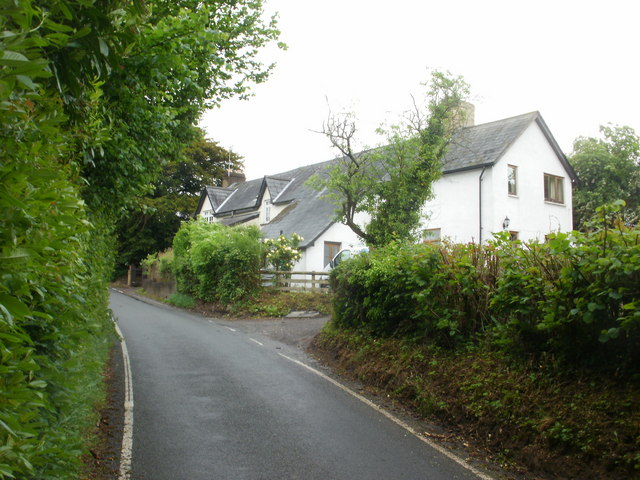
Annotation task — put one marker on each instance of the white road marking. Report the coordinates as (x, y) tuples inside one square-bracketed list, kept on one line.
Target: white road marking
[(127, 430), (394, 419), (256, 341), (232, 329)]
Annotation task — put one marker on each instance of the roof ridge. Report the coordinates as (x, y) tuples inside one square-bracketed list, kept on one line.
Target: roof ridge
[(533, 114)]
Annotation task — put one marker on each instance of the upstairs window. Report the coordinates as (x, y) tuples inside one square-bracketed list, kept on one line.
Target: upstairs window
[(512, 179), (208, 215), (267, 211), (553, 188)]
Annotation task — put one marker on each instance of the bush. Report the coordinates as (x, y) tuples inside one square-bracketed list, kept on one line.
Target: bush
[(217, 263), (181, 300), (575, 298), (159, 266), (431, 292), (371, 291), (282, 252)]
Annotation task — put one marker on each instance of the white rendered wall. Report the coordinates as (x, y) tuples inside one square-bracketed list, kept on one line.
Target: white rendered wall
[(206, 205), (529, 214), (262, 219), (313, 256), (455, 207)]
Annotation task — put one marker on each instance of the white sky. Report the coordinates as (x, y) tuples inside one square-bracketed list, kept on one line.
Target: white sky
[(577, 62)]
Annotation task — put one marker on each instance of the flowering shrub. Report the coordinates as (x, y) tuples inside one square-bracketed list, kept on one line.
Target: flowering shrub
[(282, 252)]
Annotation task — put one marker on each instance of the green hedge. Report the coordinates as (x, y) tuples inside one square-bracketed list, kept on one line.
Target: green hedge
[(575, 298), (54, 323), (213, 262)]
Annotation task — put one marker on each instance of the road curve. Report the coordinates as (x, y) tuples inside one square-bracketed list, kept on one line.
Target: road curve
[(212, 402)]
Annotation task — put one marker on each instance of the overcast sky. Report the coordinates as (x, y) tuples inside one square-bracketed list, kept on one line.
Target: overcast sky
[(577, 62)]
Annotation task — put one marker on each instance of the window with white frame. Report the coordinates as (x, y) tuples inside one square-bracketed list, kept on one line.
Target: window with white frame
[(208, 215), (553, 188), (267, 210), (512, 179)]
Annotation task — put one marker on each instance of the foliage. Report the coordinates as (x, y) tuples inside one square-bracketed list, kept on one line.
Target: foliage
[(93, 96), (557, 425), (150, 225), (181, 300), (574, 298), (188, 56), (276, 303), (608, 169), (217, 263), (282, 252), (439, 293), (159, 266), (392, 183)]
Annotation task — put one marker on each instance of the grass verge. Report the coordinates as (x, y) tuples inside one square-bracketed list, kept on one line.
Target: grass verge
[(556, 425)]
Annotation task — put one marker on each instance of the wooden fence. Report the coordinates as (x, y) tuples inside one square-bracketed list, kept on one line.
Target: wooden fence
[(295, 281)]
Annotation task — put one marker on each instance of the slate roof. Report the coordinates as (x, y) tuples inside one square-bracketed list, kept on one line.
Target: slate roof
[(483, 145), (309, 214), (276, 185), (217, 195)]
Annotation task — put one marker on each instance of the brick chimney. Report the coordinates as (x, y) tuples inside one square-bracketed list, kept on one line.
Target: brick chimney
[(233, 177), (467, 114)]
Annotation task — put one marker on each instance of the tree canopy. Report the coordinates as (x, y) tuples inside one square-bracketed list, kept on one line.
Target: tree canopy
[(95, 97), (150, 225), (608, 169), (391, 183)]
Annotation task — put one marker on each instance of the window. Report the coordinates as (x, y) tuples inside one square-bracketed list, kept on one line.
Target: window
[(208, 215), (431, 235), (553, 188), (513, 236), (267, 211), (512, 179), (331, 249)]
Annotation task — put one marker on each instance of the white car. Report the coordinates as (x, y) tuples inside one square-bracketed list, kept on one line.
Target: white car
[(345, 254)]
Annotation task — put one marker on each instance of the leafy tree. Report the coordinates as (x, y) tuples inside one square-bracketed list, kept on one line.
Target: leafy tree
[(93, 97), (189, 55), (151, 224), (392, 183), (608, 169)]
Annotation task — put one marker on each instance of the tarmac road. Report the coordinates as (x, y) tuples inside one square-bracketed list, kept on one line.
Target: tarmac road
[(214, 402)]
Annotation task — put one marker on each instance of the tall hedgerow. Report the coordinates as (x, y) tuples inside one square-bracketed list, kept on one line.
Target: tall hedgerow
[(93, 97), (575, 298), (216, 263)]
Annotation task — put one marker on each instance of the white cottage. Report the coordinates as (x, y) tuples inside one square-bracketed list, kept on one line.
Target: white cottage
[(505, 175)]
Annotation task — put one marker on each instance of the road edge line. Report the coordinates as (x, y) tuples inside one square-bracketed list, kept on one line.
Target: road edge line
[(127, 429), (394, 419)]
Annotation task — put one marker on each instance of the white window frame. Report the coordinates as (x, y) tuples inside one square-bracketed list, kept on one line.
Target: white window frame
[(514, 183)]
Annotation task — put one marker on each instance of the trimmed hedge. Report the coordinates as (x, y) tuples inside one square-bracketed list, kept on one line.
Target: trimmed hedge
[(216, 263), (575, 298)]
